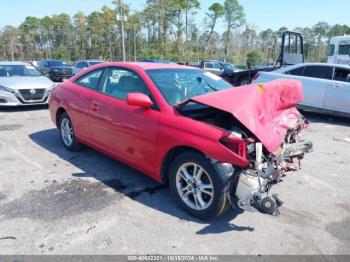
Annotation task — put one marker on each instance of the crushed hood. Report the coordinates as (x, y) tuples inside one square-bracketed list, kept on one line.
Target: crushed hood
[(268, 110)]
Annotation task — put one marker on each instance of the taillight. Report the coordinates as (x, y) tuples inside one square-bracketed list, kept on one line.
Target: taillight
[(256, 76), (235, 144)]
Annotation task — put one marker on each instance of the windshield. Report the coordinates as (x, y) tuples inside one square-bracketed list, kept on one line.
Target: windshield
[(178, 85), (228, 67), (18, 70), (56, 63)]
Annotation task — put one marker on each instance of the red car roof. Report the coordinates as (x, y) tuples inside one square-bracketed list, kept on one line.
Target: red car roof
[(150, 65)]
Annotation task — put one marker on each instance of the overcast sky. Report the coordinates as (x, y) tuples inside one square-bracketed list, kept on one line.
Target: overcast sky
[(261, 13)]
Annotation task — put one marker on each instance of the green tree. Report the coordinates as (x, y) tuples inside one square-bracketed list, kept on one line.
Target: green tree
[(216, 11), (266, 38), (338, 30), (11, 42), (254, 57), (188, 6), (80, 28), (320, 29), (234, 17)]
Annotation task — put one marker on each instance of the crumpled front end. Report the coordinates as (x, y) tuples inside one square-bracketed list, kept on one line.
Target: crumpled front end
[(250, 188), (267, 110), (264, 127)]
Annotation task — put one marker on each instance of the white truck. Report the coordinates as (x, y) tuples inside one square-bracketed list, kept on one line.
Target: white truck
[(339, 50)]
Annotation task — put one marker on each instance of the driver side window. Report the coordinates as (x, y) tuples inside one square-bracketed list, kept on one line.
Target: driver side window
[(119, 83)]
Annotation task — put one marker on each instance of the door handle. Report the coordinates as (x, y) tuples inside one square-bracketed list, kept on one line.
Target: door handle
[(335, 85)]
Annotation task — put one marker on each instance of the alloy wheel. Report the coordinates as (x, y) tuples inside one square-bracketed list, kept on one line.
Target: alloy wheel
[(194, 186), (67, 132)]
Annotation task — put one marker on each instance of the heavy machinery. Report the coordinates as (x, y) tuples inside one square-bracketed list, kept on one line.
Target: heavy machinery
[(291, 53)]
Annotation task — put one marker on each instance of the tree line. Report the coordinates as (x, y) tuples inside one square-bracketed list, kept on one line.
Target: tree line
[(164, 29)]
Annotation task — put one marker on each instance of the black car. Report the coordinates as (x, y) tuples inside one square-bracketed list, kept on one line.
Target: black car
[(222, 69), (56, 70)]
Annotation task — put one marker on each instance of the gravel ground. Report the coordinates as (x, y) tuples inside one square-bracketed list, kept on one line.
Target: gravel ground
[(58, 202)]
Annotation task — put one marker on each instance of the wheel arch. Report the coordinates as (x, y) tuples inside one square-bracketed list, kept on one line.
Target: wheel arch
[(59, 112), (170, 156)]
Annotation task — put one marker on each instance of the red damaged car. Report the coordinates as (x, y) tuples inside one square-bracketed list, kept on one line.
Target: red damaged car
[(214, 145)]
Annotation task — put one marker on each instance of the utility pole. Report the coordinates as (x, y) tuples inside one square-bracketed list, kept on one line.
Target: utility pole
[(121, 18)]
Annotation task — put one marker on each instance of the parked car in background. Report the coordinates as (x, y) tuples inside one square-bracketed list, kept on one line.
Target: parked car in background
[(83, 64), (326, 86), (339, 50), (56, 70), (291, 53), (157, 61), (228, 67), (33, 63), (220, 68), (217, 67), (22, 84), (187, 128)]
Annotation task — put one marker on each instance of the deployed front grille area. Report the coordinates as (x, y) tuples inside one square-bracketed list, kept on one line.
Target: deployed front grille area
[(32, 94)]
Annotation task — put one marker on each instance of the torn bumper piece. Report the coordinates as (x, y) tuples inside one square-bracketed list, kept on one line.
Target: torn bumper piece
[(249, 189), (298, 149), (291, 155)]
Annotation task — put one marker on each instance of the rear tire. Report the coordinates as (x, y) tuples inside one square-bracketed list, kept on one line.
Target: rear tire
[(67, 134), (197, 187)]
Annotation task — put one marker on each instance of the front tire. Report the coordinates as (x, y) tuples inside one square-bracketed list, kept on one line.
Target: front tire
[(197, 186), (67, 134)]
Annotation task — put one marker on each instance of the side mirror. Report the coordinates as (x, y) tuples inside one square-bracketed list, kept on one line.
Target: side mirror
[(348, 78), (139, 99)]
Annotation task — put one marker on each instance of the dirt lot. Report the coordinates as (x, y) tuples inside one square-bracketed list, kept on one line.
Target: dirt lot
[(56, 202)]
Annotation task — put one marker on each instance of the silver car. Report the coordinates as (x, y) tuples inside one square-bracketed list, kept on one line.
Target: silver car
[(22, 84), (83, 64), (326, 86)]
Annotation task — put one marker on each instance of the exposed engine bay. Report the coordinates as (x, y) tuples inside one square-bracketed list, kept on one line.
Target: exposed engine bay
[(249, 188)]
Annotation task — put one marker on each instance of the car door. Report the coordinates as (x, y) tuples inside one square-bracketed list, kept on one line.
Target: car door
[(125, 131), (79, 96), (338, 92), (315, 80)]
